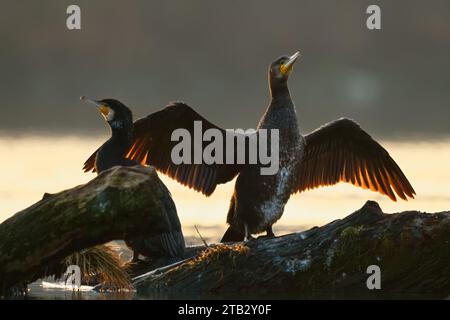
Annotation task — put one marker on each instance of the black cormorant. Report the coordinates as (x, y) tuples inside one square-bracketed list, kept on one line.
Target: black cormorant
[(338, 151), (113, 153)]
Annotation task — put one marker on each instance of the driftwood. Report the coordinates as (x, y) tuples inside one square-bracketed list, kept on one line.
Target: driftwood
[(412, 250), (118, 204)]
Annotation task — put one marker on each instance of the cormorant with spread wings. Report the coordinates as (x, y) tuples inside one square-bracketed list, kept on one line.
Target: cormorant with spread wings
[(338, 151)]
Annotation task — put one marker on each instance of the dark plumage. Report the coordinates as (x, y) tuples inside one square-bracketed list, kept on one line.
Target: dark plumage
[(113, 153), (338, 151)]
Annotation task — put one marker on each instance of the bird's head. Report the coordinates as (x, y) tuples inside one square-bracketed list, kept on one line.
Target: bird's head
[(115, 112), (281, 68)]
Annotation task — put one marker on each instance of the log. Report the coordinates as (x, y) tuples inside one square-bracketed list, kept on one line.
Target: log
[(412, 250), (120, 203)]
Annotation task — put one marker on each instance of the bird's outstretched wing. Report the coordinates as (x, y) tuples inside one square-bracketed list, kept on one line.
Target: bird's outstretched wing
[(342, 151), (89, 165), (152, 145)]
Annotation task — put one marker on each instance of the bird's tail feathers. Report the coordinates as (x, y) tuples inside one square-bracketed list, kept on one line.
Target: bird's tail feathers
[(173, 243), (233, 235)]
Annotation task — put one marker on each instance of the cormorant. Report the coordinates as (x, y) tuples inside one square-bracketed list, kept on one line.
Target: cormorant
[(112, 153), (338, 151)]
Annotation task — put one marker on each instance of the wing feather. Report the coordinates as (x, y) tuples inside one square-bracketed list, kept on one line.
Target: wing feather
[(342, 151), (152, 145), (89, 165)]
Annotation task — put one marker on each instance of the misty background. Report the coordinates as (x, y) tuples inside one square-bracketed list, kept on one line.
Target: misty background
[(214, 56)]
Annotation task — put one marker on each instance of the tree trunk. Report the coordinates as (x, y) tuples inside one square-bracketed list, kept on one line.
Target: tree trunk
[(118, 204), (412, 250)]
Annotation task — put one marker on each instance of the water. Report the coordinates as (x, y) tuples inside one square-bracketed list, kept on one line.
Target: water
[(37, 292)]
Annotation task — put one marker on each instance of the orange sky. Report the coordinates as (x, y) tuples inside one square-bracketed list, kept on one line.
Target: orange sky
[(32, 166)]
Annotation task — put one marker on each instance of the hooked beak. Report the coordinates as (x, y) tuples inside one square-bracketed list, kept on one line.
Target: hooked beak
[(287, 67), (104, 109)]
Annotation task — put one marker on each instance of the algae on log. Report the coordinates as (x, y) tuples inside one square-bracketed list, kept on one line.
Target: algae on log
[(411, 248), (118, 204)]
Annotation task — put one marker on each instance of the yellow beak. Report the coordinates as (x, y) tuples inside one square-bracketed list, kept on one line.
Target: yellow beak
[(104, 109), (287, 67)]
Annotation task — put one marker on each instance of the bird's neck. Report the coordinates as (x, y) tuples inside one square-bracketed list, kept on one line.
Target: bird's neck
[(121, 134), (279, 91)]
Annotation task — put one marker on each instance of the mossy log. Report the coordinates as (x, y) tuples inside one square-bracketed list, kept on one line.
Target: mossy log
[(120, 203), (412, 250)]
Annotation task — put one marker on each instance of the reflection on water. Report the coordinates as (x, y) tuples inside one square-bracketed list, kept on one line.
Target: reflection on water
[(36, 292)]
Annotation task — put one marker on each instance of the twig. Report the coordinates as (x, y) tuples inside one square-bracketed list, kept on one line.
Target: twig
[(199, 234)]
